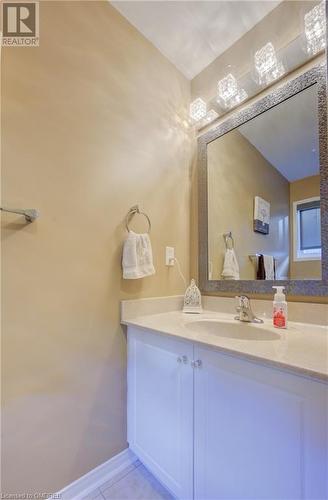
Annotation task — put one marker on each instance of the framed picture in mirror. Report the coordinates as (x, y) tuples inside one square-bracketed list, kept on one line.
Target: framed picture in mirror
[(261, 215)]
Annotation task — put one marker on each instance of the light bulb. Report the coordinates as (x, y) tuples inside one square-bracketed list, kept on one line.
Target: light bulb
[(210, 117), (229, 92), (315, 29), (197, 109), (267, 66)]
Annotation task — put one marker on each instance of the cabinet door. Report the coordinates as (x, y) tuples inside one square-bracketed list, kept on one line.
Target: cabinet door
[(160, 407), (260, 433)]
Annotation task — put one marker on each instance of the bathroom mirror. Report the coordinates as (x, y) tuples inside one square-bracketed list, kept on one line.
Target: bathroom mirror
[(263, 193)]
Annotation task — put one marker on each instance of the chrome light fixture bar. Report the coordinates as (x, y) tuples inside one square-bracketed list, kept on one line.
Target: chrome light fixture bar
[(267, 66), (197, 109), (315, 29), (229, 93)]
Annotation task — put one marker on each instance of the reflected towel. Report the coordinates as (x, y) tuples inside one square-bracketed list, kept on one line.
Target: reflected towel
[(260, 275), (269, 267), (230, 267), (137, 260), (265, 267)]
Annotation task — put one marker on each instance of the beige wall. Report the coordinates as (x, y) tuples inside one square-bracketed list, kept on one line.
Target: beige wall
[(91, 126), (301, 190), (237, 172)]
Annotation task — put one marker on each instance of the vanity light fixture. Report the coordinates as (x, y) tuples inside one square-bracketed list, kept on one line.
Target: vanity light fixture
[(315, 29), (229, 92), (210, 117), (267, 66), (197, 109)]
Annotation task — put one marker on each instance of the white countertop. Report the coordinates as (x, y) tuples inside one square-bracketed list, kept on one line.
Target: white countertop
[(301, 348)]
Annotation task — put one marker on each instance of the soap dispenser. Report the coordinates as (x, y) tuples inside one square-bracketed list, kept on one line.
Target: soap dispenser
[(279, 308), (192, 300)]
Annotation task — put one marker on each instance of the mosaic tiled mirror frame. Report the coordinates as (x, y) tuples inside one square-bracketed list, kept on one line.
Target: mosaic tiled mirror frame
[(316, 75)]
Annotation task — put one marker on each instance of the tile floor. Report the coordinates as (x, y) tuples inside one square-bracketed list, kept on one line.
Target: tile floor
[(134, 483)]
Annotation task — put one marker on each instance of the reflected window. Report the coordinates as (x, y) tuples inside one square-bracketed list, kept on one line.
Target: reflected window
[(307, 234)]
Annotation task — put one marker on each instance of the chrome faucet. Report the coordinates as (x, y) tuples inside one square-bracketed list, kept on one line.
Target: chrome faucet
[(244, 310)]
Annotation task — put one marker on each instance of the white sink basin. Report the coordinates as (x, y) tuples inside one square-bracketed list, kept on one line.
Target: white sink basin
[(237, 330)]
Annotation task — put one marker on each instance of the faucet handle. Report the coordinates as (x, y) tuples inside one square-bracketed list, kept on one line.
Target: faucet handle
[(243, 301), (244, 310)]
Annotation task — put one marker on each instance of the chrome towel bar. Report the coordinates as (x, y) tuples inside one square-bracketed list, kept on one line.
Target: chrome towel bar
[(30, 214)]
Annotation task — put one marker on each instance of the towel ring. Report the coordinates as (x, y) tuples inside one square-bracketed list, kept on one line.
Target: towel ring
[(131, 213)]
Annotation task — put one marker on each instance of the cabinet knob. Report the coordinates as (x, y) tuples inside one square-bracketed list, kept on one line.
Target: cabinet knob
[(182, 359), (196, 364)]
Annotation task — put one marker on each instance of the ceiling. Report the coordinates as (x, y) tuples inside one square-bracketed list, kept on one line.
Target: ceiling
[(287, 135), (191, 34)]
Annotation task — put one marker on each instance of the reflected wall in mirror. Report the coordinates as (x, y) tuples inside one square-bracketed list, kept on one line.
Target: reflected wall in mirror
[(273, 156)]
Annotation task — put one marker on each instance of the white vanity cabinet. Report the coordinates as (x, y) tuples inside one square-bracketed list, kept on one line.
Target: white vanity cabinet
[(260, 433), (213, 426), (160, 408)]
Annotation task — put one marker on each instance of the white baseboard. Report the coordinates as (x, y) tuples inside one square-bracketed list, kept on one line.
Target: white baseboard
[(96, 477)]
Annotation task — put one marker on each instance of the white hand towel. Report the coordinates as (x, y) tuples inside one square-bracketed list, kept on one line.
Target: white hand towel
[(269, 267), (230, 266), (137, 260)]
